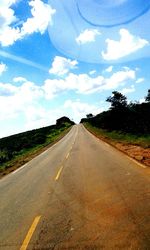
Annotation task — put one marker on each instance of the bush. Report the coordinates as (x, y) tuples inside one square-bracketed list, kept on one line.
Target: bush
[(5, 156)]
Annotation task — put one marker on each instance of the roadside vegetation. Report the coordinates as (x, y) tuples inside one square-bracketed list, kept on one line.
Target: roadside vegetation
[(120, 137), (124, 122), (17, 149)]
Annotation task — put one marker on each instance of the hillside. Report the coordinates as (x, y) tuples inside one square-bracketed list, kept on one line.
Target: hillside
[(16, 149)]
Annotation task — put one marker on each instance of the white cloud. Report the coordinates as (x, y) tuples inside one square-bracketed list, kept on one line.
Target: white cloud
[(119, 78), (8, 2), (109, 69), (54, 87), (87, 36), (92, 72), (7, 89), (128, 44), (82, 83), (19, 79), (23, 101), (62, 65), (85, 84), (81, 109), (41, 17), (139, 80), (15, 99), (9, 32), (3, 68), (9, 35), (37, 116), (21, 105), (128, 90), (141, 100), (7, 17)]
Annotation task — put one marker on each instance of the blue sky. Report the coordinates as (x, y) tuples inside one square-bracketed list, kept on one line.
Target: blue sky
[(66, 57)]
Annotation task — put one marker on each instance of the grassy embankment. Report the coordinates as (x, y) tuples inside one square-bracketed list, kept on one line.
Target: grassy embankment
[(18, 149), (117, 136)]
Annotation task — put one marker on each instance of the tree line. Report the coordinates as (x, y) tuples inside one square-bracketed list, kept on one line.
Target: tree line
[(127, 118)]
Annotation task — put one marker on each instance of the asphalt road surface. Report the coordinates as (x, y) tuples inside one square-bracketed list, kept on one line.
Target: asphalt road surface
[(79, 194)]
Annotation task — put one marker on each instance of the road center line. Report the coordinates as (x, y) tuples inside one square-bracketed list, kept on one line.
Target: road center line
[(61, 168), (67, 155), (30, 233), (58, 174)]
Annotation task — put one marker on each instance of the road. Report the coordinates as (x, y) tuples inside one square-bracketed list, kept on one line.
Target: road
[(79, 194)]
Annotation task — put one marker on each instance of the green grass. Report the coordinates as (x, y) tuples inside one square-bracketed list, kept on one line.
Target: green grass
[(115, 136), (26, 154)]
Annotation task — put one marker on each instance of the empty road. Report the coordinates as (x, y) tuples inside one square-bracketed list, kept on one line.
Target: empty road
[(79, 194)]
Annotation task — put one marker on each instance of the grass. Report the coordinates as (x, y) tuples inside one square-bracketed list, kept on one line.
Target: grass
[(26, 155), (115, 136)]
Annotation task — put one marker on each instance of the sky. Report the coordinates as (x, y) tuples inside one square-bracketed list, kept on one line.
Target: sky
[(64, 58)]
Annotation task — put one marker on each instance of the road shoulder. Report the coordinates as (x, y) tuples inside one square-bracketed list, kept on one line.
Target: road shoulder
[(137, 153)]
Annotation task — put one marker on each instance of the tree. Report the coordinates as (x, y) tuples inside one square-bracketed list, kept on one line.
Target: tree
[(147, 98), (118, 100), (61, 121), (89, 115)]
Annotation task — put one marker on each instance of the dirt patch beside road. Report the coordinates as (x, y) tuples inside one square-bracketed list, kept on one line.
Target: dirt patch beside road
[(138, 153)]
